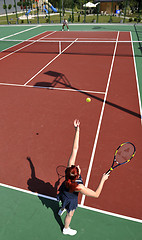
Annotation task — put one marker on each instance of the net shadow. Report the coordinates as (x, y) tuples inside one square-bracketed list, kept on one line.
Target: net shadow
[(77, 48)]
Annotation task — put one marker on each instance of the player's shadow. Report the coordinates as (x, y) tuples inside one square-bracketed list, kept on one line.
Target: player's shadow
[(60, 80), (44, 188)]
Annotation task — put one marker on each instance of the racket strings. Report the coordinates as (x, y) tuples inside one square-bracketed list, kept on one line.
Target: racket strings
[(124, 153)]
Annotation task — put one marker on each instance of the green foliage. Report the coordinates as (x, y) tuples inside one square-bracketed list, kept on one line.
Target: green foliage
[(130, 19), (9, 6), (4, 6), (19, 4)]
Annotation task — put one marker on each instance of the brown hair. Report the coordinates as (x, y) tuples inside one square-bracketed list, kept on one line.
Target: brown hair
[(72, 174)]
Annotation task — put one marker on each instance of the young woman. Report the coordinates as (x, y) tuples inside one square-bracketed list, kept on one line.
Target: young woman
[(73, 184)]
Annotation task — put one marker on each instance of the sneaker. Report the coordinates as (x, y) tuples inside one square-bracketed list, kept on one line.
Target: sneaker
[(60, 213), (68, 29), (69, 231)]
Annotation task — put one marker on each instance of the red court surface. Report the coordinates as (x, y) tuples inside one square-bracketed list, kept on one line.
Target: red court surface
[(38, 123)]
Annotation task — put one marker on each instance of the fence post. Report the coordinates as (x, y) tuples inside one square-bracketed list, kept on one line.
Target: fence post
[(111, 11), (125, 10), (85, 13), (72, 11), (98, 8), (139, 10), (48, 14), (60, 9), (6, 11), (16, 10), (37, 12), (26, 11)]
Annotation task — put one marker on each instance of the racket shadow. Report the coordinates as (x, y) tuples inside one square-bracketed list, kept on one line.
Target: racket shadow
[(45, 188)]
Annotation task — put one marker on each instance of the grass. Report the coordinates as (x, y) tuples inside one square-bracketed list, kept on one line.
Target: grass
[(93, 18)]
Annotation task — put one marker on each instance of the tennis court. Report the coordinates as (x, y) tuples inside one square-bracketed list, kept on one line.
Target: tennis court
[(46, 76)]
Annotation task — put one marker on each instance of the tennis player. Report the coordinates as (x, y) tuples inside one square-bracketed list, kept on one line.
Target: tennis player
[(65, 23), (73, 184)]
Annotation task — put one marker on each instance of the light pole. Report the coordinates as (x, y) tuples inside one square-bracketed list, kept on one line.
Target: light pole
[(62, 7)]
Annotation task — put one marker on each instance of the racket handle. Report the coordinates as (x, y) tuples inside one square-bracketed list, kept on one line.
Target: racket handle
[(108, 172)]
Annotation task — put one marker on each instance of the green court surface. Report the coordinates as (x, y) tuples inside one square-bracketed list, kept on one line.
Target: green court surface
[(24, 216)]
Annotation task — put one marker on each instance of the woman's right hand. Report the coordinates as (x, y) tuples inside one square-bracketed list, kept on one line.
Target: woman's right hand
[(105, 177)]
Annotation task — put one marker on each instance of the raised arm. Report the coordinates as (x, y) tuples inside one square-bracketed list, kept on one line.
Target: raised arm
[(75, 144), (88, 192)]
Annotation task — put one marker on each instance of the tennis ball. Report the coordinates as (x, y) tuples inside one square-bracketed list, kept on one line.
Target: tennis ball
[(88, 99)]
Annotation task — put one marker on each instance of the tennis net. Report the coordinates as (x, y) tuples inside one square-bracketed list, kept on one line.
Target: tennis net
[(104, 48)]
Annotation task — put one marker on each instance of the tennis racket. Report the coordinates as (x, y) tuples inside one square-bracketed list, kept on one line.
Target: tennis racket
[(60, 171), (123, 154)]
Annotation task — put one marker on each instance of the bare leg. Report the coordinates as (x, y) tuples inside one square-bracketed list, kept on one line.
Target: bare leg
[(68, 218), (63, 27), (67, 230)]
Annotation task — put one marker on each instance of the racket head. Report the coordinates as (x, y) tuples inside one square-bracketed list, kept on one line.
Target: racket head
[(124, 153), (61, 171)]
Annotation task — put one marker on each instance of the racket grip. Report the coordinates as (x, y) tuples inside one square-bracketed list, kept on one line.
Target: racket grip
[(108, 172)]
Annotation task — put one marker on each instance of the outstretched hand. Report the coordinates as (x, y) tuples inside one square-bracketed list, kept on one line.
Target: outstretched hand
[(76, 123), (105, 177)]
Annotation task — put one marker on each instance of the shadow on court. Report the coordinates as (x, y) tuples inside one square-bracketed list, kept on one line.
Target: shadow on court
[(61, 79), (39, 186)]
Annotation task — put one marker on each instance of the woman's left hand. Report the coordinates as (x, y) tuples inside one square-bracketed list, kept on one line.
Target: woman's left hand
[(76, 123)]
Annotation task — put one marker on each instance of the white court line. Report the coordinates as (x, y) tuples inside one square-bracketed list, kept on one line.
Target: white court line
[(113, 39), (33, 41), (137, 82), (50, 62), (99, 124), (19, 32), (51, 88), (28, 40), (84, 207)]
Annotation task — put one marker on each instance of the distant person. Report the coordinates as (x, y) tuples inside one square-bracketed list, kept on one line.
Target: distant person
[(73, 184), (65, 23)]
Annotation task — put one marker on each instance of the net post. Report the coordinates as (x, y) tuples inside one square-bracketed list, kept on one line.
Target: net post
[(60, 50)]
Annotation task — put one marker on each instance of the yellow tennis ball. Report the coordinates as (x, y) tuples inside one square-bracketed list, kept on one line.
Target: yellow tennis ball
[(88, 99)]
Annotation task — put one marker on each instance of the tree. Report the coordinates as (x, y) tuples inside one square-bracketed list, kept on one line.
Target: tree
[(9, 6)]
